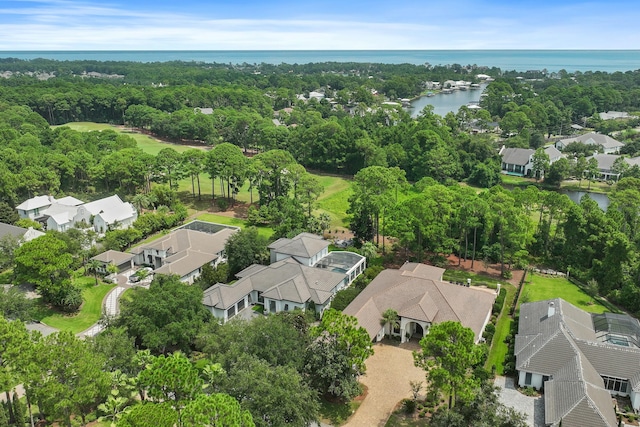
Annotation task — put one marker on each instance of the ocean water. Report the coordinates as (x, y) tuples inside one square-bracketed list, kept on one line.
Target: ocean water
[(518, 60)]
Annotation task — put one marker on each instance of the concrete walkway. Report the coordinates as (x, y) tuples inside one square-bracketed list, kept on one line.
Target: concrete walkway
[(389, 372)]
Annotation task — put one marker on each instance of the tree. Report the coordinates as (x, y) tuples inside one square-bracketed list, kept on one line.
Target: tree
[(14, 304), (244, 248), (592, 170), (390, 317), (46, 263), (92, 266), (8, 245), (215, 410), (275, 396), (148, 414), (171, 379), (448, 353), (558, 172), (540, 163), (337, 354), (165, 317), (580, 168), (72, 379)]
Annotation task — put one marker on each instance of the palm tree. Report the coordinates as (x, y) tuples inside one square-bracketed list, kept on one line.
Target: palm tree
[(92, 266), (112, 268), (390, 317)]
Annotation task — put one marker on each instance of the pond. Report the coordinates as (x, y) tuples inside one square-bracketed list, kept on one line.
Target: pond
[(601, 199)]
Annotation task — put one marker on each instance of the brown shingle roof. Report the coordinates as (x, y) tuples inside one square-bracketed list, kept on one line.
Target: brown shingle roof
[(113, 256)]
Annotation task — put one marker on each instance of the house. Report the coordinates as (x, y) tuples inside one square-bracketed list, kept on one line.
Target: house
[(302, 274), (22, 234), (580, 359), (519, 161), (186, 250), (31, 208), (605, 166), (516, 161), (421, 298), (122, 260), (614, 115), (104, 214), (608, 144), (63, 214)]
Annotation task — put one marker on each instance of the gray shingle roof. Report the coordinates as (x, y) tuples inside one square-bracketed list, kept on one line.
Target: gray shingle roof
[(284, 280), (115, 257), (593, 138), (189, 249), (303, 245), (414, 293), (8, 229), (517, 156)]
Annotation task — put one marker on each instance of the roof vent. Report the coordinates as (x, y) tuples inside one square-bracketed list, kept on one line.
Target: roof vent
[(552, 309)]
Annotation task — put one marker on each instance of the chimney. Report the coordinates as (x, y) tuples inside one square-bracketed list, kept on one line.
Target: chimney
[(552, 309)]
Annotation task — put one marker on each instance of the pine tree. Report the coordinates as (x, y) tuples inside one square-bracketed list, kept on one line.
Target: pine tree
[(18, 411), (4, 419)]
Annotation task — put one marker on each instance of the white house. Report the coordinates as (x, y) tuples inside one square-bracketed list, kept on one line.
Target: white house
[(608, 144), (185, 251), (63, 214), (22, 234), (302, 274)]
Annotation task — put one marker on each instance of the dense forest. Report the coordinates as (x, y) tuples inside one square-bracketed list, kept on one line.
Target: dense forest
[(425, 188)]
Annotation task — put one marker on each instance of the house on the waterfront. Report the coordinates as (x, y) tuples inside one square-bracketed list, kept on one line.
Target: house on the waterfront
[(580, 359), (614, 115), (516, 161), (421, 298), (186, 250), (608, 144), (65, 213), (303, 274), (519, 161)]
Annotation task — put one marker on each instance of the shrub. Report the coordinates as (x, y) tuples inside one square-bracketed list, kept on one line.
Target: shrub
[(222, 204), (409, 406)]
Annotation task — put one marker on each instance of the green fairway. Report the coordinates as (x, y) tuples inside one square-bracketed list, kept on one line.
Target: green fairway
[(542, 288), (145, 142), (334, 201), (89, 313)]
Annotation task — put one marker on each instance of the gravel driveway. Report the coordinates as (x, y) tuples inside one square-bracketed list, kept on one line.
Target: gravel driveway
[(533, 407), (389, 371)]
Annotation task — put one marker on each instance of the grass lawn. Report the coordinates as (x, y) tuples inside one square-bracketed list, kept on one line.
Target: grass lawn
[(498, 351), (337, 413), (476, 279), (220, 219), (89, 313), (540, 288), (145, 142)]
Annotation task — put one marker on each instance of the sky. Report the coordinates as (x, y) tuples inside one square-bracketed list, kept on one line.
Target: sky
[(318, 25)]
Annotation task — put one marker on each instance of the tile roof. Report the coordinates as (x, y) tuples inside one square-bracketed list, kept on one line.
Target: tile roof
[(283, 280), (303, 245), (416, 292), (189, 250), (564, 345)]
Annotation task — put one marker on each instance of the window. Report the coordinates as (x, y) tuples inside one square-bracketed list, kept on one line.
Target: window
[(231, 312), (527, 378), (616, 384), (286, 307)]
